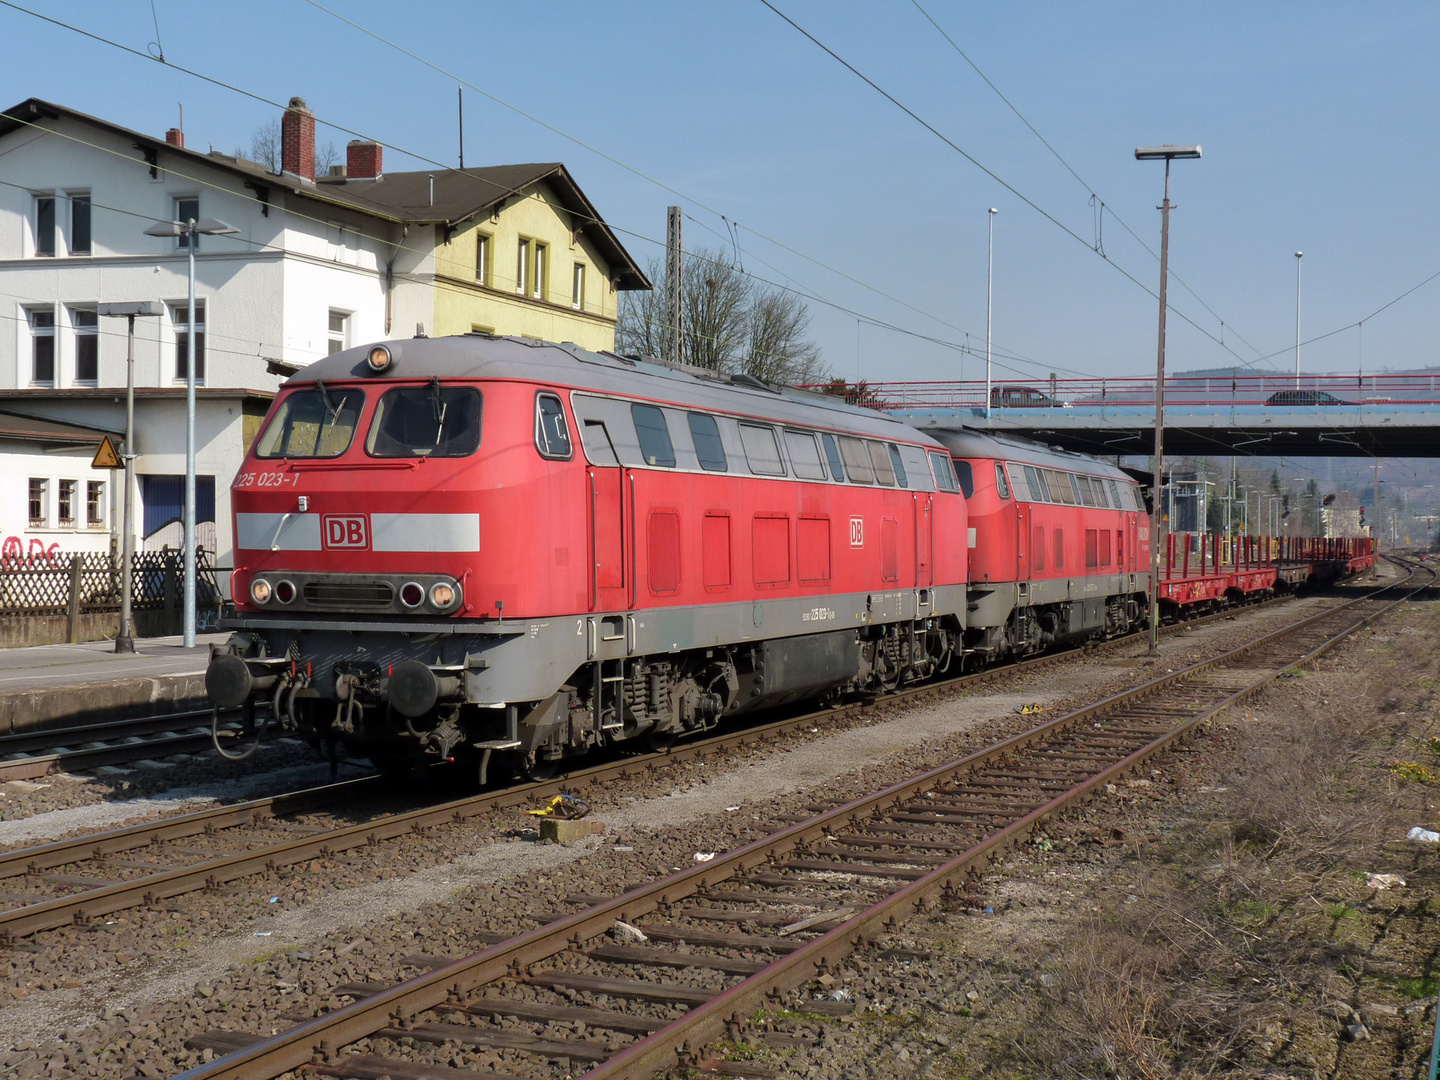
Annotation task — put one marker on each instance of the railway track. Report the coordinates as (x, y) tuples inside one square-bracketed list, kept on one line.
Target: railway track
[(30, 755), (89, 877), (760, 921), (34, 754)]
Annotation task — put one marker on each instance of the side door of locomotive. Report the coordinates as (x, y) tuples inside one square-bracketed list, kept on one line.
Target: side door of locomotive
[(609, 581), (1020, 489), (924, 538)]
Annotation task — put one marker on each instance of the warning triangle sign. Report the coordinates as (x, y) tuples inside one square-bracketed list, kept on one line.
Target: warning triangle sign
[(105, 456)]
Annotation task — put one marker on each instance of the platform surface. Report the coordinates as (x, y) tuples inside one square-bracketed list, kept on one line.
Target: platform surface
[(43, 685)]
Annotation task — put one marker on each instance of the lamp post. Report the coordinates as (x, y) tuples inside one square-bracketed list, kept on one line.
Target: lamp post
[(1298, 255), (125, 640), (1166, 153), (989, 305), (190, 231)]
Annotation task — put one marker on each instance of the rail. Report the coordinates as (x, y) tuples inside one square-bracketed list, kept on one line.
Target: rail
[(1005, 790)]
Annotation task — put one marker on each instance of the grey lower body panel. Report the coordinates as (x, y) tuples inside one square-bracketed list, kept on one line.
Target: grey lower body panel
[(528, 659)]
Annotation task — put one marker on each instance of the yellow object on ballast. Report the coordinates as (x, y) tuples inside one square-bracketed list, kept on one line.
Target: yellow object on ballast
[(563, 806), (1029, 710)]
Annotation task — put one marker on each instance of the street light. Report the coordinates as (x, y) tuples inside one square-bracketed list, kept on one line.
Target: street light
[(190, 231), (125, 640), (989, 306), (1298, 254), (1166, 153)]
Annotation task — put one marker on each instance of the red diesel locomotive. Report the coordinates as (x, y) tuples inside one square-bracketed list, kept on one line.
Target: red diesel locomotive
[(460, 546), (1060, 545)]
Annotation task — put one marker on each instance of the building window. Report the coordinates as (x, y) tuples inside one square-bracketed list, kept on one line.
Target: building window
[(67, 503), (182, 341), (44, 225), (577, 287), (79, 224), (522, 268), (95, 504), (482, 259), (39, 512), (542, 252), (187, 210), (87, 345), (339, 325), (42, 336)]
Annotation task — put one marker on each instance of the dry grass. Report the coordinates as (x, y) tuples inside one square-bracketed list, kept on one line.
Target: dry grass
[(1237, 946)]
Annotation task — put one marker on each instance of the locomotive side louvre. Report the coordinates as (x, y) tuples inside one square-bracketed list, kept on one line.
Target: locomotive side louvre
[(1060, 546), (627, 548)]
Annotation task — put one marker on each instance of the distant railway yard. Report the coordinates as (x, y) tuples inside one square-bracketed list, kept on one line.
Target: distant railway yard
[(1098, 863)]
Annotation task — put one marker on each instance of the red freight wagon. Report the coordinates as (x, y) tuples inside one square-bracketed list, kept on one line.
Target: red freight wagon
[(476, 544)]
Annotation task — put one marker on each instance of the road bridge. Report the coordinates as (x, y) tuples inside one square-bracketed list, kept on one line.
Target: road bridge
[(1270, 416)]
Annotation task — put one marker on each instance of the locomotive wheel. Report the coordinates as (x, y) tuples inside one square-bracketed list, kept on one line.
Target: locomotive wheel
[(657, 742), (536, 768)]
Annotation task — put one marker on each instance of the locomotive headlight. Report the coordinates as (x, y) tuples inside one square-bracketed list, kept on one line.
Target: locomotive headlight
[(442, 595), (260, 591), (379, 359), (412, 594), (285, 591)]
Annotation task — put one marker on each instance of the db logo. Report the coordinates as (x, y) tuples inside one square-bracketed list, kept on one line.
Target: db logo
[(344, 532), (857, 532)]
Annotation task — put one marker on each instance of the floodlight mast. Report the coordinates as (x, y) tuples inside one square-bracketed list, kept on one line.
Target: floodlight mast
[(1166, 153)]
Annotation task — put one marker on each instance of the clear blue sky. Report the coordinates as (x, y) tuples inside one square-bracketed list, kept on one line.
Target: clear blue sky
[(1318, 122)]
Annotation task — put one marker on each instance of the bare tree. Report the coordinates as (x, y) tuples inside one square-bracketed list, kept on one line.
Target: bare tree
[(326, 156), (640, 327), (265, 146), (729, 323), (715, 314), (777, 350)]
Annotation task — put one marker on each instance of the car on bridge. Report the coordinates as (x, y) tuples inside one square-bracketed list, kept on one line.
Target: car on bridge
[(1305, 397), (1023, 397)]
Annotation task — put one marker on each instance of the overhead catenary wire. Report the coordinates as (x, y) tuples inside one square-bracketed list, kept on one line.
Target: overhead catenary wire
[(1100, 203), (844, 309), (995, 176)]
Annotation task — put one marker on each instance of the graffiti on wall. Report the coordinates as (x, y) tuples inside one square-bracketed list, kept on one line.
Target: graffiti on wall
[(15, 554)]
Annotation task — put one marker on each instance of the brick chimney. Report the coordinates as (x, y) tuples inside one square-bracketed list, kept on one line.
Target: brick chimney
[(175, 137), (362, 160), (297, 140)]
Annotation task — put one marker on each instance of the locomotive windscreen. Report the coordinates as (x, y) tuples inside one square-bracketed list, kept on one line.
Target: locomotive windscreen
[(312, 424), (420, 421)]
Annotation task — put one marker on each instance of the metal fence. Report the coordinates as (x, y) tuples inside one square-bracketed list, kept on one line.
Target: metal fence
[(60, 582)]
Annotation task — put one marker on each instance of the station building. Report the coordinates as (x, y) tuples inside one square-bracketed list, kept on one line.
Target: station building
[(317, 264)]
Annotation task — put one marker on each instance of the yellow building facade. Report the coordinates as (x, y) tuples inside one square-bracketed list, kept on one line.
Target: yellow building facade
[(527, 270)]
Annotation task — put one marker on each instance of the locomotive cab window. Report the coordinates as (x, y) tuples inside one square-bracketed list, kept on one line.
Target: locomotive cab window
[(1001, 487), (804, 454), (426, 421), (705, 433), (552, 435), (966, 477), (944, 472), (897, 465), (655, 445), (317, 423), (832, 456)]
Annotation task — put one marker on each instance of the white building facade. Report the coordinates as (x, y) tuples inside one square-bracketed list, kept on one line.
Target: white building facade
[(301, 278)]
